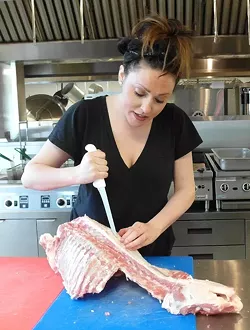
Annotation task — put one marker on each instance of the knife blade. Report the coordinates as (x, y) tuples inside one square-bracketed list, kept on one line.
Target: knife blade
[(105, 201), (100, 184)]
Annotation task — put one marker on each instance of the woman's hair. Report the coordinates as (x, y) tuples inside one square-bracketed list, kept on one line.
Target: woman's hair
[(164, 44)]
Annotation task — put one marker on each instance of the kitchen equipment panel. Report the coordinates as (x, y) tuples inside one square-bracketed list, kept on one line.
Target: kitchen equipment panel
[(213, 232), (27, 214), (212, 252), (14, 197), (233, 185)]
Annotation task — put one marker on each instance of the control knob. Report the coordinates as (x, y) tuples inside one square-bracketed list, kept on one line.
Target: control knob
[(8, 203), (246, 186), (61, 202), (224, 187)]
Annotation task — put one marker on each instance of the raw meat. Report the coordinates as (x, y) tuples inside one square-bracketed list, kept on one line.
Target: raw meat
[(87, 254)]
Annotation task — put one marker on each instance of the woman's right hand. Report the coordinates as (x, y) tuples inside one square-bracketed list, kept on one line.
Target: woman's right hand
[(93, 167)]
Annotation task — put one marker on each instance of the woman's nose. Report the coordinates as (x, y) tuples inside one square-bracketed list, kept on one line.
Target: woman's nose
[(146, 107)]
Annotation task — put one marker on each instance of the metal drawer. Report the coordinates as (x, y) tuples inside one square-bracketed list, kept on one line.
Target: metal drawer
[(212, 252), (248, 239), (212, 232), (18, 238)]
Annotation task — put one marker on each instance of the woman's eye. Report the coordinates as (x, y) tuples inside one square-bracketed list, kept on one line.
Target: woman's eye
[(159, 101), (142, 95), (138, 94)]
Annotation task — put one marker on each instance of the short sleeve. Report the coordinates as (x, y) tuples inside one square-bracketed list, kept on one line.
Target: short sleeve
[(65, 134), (186, 136)]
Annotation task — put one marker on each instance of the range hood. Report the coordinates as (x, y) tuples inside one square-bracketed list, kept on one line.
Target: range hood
[(50, 20), (68, 38), (73, 29)]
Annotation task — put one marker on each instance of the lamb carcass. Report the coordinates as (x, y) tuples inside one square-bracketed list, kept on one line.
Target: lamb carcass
[(87, 254)]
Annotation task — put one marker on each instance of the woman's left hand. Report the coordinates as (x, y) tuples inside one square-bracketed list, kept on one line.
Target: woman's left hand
[(139, 235)]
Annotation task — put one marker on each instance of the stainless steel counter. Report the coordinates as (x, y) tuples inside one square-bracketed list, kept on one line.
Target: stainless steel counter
[(235, 273)]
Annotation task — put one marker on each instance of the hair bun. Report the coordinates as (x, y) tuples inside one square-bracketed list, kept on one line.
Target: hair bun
[(135, 45), (164, 43), (177, 29), (123, 45)]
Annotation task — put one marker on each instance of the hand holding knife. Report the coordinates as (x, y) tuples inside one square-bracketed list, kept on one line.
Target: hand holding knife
[(100, 184)]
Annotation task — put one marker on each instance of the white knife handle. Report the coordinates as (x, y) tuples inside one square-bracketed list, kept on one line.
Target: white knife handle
[(100, 183)]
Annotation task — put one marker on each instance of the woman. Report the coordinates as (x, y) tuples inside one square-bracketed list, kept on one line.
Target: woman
[(143, 143)]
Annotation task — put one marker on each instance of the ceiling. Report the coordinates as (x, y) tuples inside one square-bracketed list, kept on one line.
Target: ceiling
[(63, 20)]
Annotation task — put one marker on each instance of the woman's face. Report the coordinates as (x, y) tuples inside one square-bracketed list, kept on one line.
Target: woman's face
[(145, 93)]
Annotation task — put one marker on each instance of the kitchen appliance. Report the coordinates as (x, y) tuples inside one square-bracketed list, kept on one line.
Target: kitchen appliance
[(72, 92), (231, 187), (203, 177), (44, 107), (43, 112), (14, 172), (128, 306), (26, 214), (95, 88), (15, 198), (245, 101), (232, 158)]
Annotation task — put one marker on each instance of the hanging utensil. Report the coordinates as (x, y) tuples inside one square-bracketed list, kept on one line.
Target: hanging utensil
[(22, 152), (6, 158)]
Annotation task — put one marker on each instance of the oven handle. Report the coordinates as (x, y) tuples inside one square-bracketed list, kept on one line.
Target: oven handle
[(202, 256), (197, 231), (46, 220)]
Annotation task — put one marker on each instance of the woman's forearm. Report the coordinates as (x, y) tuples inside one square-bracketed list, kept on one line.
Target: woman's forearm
[(177, 205), (43, 177)]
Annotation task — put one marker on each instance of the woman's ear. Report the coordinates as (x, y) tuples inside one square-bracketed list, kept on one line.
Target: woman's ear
[(121, 74)]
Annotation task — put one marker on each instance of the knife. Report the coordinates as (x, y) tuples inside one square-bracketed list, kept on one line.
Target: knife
[(100, 184)]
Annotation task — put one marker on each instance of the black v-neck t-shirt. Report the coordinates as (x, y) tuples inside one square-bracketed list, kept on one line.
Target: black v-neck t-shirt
[(137, 193)]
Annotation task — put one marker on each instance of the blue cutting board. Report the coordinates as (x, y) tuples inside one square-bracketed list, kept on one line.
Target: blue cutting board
[(130, 306)]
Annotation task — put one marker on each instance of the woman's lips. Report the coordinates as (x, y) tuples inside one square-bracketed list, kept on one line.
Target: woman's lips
[(140, 117)]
